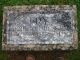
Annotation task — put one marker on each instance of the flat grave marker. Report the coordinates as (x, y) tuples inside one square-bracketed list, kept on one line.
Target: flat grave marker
[(39, 27)]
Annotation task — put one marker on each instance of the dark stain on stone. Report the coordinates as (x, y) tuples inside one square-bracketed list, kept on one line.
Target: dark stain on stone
[(65, 20)]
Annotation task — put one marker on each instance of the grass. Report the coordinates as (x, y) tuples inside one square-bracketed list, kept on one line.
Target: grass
[(74, 55)]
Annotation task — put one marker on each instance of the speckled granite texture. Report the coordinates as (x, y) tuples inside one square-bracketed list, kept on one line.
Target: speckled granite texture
[(39, 27)]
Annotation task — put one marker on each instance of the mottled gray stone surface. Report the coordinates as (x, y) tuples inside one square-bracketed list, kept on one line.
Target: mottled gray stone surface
[(39, 27)]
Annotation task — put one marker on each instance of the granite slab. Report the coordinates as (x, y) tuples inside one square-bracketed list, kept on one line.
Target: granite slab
[(39, 27)]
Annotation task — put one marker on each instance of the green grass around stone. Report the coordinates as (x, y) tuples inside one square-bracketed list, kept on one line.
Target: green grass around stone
[(74, 55)]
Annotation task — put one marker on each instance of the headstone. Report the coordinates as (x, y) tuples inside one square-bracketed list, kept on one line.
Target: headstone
[(39, 27)]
